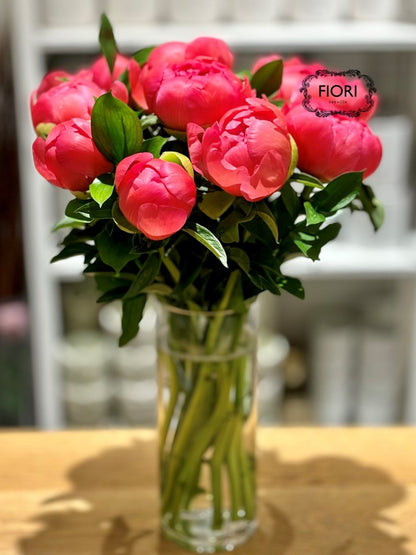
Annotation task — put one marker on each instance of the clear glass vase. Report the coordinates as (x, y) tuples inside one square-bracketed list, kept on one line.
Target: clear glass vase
[(207, 423)]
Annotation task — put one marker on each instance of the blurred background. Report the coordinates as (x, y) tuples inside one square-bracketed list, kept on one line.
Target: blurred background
[(344, 356)]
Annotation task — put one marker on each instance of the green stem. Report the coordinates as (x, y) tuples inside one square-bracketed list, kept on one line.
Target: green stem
[(199, 445), (247, 474), (217, 460), (234, 473), (174, 390), (215, 326), (170, 266), (200, 397)]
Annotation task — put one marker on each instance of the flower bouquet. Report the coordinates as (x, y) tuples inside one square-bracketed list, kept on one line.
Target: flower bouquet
[(195, 184)]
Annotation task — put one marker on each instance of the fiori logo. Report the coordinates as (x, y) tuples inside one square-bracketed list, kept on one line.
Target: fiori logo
[(349, 93), (337, 90)]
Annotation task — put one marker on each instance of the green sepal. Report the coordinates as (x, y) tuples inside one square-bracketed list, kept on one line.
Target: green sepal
[(121, 221)]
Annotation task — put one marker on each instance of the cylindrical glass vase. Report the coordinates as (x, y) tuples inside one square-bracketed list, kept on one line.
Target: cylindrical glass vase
[(207, 421)]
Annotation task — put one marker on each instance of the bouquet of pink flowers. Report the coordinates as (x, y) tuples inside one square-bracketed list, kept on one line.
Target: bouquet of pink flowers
[(195, 183), (184, 171)]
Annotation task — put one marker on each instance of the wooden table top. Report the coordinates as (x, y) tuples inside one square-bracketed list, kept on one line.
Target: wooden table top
[(321, 491)]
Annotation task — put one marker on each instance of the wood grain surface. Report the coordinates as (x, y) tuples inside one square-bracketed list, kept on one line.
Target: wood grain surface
[(321, 491)]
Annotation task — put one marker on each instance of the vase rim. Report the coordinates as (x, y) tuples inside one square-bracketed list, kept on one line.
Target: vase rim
[(195, 312)]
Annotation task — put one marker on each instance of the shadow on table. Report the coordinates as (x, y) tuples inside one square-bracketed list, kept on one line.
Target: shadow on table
[(322, 506)]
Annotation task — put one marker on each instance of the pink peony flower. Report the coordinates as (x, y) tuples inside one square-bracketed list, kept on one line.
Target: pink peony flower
[(70, 99), (175, 52), (155, 196), (50, 80), (247, 153), (210, 47), (136, 84), (68, 158), (100, 72), (197, 91), (333, 145)]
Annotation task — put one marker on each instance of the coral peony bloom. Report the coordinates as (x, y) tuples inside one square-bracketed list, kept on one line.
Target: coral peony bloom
[(100, 72), (70, 99), (333, 145), (247, 153), (175, 52), (68, 158), (136, 84), (210, 47), (50, 80), (197, 90), (155, 196)]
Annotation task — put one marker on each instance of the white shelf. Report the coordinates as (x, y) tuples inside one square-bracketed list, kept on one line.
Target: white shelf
[(280, 36), (345, 260)]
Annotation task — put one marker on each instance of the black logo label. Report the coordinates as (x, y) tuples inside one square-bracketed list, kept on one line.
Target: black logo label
[(327, 93)]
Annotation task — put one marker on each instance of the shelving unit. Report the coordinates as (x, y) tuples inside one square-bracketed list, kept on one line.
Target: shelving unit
[(34, 42)]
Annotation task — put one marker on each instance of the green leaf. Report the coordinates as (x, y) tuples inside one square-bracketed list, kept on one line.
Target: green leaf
[(76, 209), (114, 248), (75, 249), (306, 179), (116, 129), (264, 212), (228, 227), (278, 102), (208, 239), (146, 275), (312, 216), (131, 318), (293, 286), (107, 42), (372, 206), (142, 55), (69, 222), (338, 193), (268, 78), (240, 257), (215, 204), (244, 73), (154, 145), (158, 289), (149, 120), (100, 192), (303, 247), (290, 200)]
